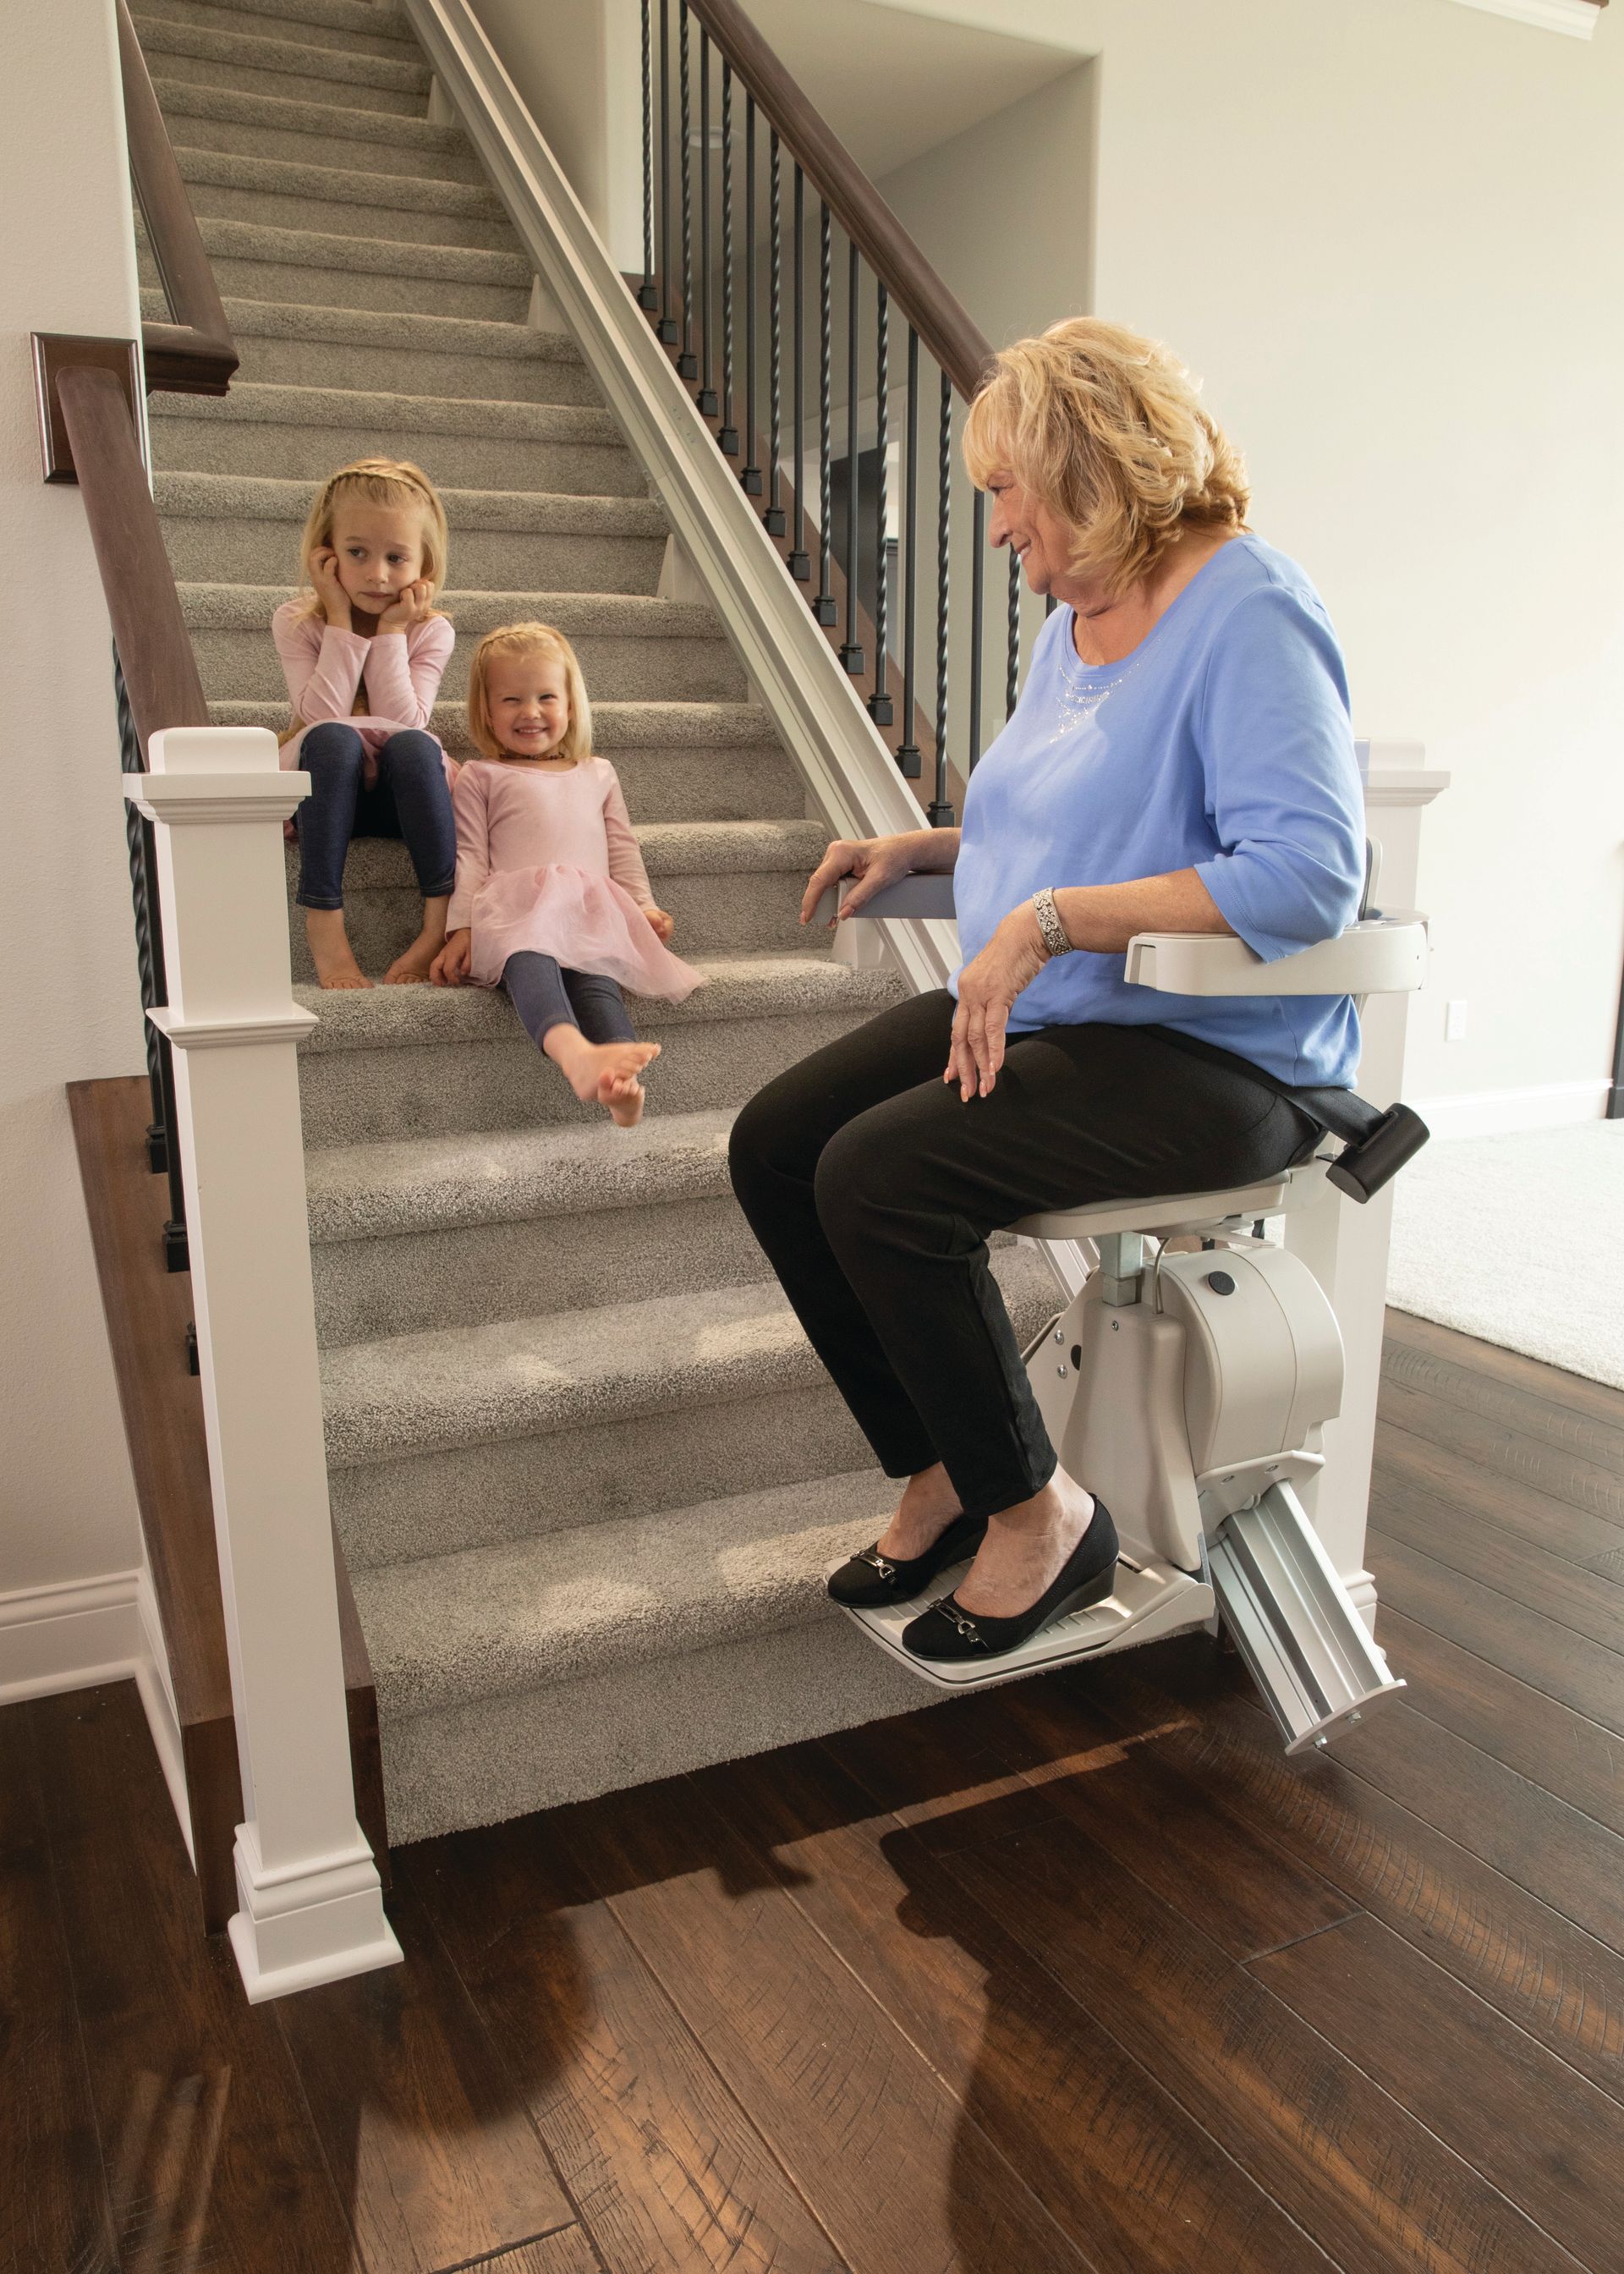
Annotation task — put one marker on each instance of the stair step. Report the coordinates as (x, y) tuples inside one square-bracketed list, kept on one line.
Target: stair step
[(265, 126), (354, 27), (305, 432), (284, 69), (398, 1062), (224, 186), (630, 645), (461, 1231), (245, 528), (259, 262)]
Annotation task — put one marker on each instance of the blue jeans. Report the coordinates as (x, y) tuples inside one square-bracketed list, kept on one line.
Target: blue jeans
[(545, 997), (409, 799)]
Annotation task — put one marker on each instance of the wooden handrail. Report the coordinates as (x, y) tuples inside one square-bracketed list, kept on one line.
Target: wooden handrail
[(960, 349), (196, 354)]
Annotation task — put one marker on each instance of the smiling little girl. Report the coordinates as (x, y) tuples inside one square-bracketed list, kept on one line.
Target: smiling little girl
[(363, 650), (553, 900)]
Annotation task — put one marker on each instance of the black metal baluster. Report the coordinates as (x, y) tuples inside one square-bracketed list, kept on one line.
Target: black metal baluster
[(647, 296), (851, 649), (775, 518), (707, 383), (879, 701), (823, 607), (978, 592), (162, 1135), (667, 322), (907, 748), (941, 812), (799, 564), (1012, 668), (751, 476), (728, 438), (688, 362)]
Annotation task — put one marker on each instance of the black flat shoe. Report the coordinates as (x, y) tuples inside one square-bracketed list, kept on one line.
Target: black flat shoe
[(1088, 1575), (869, 1579)]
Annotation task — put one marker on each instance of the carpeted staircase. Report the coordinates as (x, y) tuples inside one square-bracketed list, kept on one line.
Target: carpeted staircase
[(587, 1472)]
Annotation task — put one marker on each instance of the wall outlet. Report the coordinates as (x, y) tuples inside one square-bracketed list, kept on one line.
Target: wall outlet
[(1454, 1023)]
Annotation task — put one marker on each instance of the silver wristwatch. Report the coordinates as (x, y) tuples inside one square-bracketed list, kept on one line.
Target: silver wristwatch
[(1049, 922)]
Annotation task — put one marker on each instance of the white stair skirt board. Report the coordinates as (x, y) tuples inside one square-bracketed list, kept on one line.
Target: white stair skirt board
[(1576, 17), (1519, 1241)]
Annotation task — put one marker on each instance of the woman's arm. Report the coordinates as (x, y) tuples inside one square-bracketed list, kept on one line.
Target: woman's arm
[(874, 862), (1105, 917)]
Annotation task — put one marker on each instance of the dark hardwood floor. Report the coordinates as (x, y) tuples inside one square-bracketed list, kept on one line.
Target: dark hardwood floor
[(1078, 1975)]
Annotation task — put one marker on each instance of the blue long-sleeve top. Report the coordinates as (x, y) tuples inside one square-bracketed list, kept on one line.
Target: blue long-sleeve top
[(1220, 744)]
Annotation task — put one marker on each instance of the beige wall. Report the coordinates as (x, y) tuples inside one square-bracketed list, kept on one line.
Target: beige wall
[(66, 1502), (1378, 230)]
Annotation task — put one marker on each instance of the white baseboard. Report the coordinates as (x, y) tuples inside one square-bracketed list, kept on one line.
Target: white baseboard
[(1494, 1112), (70, 1635)]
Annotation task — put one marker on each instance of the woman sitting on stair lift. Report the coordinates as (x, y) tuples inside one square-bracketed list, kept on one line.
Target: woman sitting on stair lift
[(1181, 760)]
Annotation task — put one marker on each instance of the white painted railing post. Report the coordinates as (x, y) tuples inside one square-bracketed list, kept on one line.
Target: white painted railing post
[(311, 1906)]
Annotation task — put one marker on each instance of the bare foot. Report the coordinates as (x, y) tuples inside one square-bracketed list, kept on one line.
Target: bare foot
[(928, 1506), (625, 1096), (1024, 1548), (412, 969), (330, 950), (602, 1073)]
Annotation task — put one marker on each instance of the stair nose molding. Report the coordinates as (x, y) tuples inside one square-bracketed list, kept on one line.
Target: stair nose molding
[(1578, 18)]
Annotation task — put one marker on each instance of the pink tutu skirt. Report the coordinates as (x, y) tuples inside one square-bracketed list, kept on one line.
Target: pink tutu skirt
[(582, 918)]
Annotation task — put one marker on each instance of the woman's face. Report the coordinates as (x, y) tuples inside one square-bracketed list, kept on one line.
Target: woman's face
[(1034, 532), (380, 552), (527, 698)]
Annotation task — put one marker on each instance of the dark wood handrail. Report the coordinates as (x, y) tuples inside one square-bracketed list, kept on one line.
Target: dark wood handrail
[(960, 349), (196, 354), (149, 629)]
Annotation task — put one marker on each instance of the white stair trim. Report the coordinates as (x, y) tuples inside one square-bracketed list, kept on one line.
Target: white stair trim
[(1578, 18)]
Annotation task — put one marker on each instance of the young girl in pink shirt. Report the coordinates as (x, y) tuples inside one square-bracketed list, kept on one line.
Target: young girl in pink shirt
[(363, 648), (553, 900)]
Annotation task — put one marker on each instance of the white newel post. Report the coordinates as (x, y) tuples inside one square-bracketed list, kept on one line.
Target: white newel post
[(311, 1904), (1346, 1247)]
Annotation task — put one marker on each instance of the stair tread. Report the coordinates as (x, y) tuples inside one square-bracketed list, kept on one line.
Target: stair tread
[(381, 328), (249, 607), (742, 986), (372, 19), (670, 849), (277, 404), (327, 123), (225, 238), (443, 1390), (440, 1184), (292, 177), (487, 1621), (616, 726), (268, 497), (160, 35)]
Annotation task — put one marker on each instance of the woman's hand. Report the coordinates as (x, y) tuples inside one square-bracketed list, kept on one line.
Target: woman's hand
[(663, 925), (411, 606), (449, 968), (334, 599), (870, 862), (1011, 959)]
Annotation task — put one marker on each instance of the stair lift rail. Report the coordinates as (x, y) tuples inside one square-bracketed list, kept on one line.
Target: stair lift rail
[(860, 526), (1192, 1391)]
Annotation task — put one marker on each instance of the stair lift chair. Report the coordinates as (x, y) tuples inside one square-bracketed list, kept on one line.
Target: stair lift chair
[(1192, 1391)]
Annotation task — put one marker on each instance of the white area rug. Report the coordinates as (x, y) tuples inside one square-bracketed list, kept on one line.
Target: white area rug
[(1520, 1241)]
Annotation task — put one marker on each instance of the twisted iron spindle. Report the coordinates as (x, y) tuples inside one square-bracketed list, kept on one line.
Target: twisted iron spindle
[(707, 383), (162, 1137), (647, 296), (751, 476), (978, 593), (940, 810), (907, 748), (879, 701), (667, 322), (823, 607), (799, 564), (1012, 668), (775, 518), (688, 362), (728, 438), (851, 649)]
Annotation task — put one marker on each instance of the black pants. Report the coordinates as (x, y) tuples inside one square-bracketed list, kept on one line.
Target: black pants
[(545, 997), (872, 1190)]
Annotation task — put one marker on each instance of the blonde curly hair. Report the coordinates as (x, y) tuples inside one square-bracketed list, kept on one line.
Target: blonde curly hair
[(1107, 428), (376, 481), (529, 639)]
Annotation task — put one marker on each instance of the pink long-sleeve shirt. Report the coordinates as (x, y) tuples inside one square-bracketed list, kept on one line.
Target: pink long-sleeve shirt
[(325, 666)]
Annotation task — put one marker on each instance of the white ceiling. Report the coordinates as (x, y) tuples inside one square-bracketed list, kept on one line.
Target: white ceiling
[(892, 83)]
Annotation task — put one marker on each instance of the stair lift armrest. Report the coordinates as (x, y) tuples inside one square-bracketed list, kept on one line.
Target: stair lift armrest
[(1380, 955), (924, 894)]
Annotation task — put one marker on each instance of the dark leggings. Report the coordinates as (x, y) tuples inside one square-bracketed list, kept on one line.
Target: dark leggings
[(872, 1191), (408, 800), (544, 996)]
